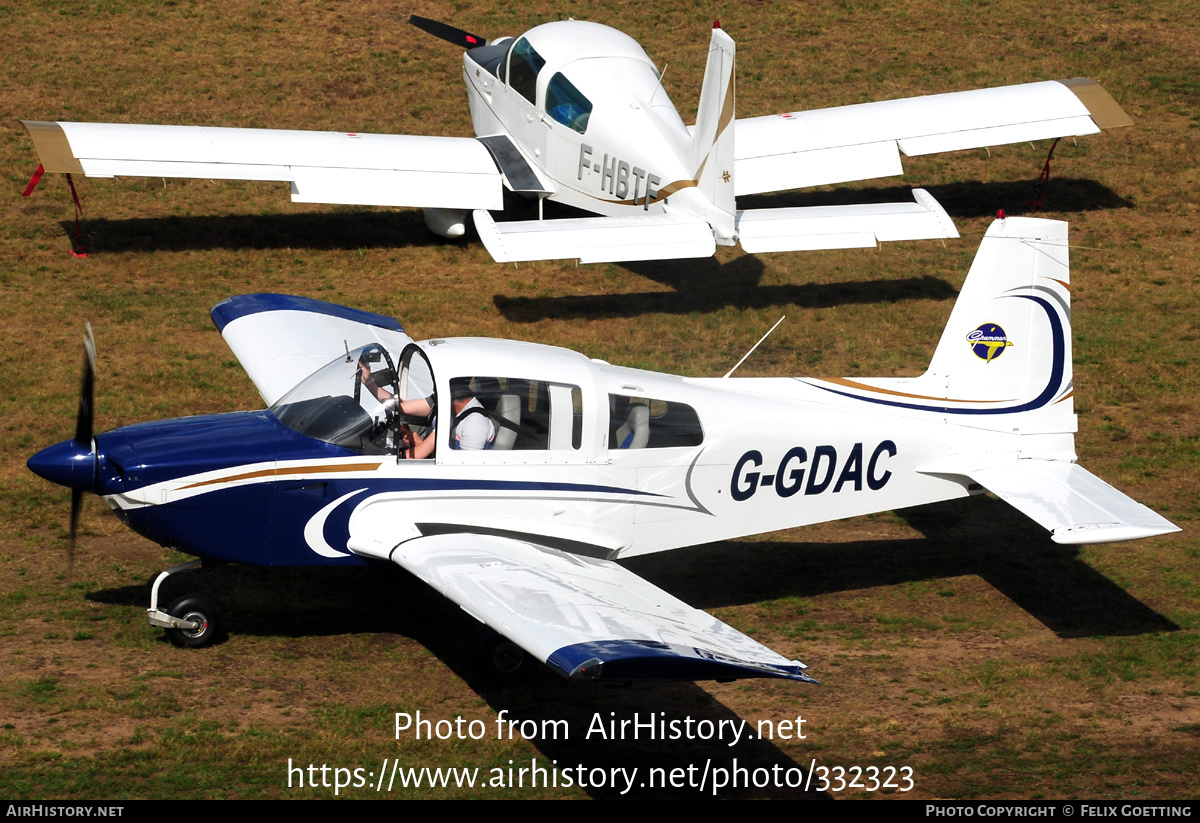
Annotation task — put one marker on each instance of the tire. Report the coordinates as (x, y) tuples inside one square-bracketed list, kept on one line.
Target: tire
[(194, 608), (499, 661)]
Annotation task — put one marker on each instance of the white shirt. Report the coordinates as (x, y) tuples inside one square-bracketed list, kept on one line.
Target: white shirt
[(474, 431)]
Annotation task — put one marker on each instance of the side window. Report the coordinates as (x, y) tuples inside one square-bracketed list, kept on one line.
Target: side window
[(523, 66), (567, 105), (523, 414), (643, 423)]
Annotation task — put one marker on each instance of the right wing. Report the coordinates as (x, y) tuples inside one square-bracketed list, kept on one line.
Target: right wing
[(322, 167), (862, 142), (584, 617)]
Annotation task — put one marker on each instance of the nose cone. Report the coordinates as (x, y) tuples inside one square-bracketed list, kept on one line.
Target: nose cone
[(67, 464)]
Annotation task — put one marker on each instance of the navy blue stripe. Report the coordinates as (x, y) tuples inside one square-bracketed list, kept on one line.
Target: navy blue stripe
[(232, 308), (652, 660), (1059, 356)]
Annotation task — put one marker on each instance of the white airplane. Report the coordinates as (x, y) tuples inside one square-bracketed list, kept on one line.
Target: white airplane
[(575, 112), (589, 463)]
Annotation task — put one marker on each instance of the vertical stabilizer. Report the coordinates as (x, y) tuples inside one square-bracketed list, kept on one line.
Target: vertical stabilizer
[(712, 139), (1004, 360), (1007, 347)]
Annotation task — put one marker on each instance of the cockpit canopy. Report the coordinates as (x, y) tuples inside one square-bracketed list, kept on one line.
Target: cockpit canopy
[(575, 60), (343, 402)]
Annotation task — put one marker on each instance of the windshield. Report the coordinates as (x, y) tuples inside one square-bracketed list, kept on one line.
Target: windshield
[(343, 402)]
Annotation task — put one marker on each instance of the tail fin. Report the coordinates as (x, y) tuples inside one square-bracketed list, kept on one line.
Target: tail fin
[(1004, 364), (712, 138), (1006, 350), (1004, 360)]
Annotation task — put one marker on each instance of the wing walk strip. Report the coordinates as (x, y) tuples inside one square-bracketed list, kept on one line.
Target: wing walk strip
[(513, 165)]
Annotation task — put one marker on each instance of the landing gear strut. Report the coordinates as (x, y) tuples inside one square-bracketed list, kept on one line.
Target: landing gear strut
[(191, 622)]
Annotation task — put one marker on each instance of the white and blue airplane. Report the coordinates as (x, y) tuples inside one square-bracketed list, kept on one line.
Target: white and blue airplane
[(575, 112), (590, 463)]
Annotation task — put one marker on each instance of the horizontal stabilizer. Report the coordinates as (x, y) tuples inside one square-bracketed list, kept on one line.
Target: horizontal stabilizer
[(596, 239), (843, 227), (1074, 504), (584, 617)]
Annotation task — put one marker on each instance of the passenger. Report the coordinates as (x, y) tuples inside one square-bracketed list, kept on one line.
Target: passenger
[(473, 430)]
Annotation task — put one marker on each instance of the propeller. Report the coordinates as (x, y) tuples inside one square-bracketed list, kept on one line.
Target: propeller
[(448, 33), (84, 424)]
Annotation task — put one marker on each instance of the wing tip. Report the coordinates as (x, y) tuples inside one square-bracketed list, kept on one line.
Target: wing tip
[(654, 660), (1111, 533), (233, 308), (1105, 112), (53, 147)]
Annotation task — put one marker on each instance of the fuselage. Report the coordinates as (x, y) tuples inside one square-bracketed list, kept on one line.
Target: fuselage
[(586, 106), (604, 461)]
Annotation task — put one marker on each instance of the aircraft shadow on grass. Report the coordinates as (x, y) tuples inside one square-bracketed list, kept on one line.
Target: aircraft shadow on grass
[(970, 536), (369, 228), (715, 287), (319, 231)]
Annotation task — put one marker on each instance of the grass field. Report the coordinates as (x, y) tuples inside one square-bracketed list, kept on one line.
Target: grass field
[(956, 639)]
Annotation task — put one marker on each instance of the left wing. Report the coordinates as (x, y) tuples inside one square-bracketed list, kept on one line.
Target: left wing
[(861, 142), (583, 617), (322, 167), (280, 339)]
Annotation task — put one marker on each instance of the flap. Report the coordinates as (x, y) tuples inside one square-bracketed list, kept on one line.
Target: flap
[(843, 227), (596, 239)]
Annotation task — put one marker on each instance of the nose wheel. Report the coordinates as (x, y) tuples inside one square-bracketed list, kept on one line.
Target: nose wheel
[(202, 622), (191, 622)]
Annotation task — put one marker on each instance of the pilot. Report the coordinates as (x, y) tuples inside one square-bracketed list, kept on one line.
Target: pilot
[(473, 430)]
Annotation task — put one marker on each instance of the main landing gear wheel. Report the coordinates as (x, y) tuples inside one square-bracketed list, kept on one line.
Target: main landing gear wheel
[(199, 611), (500, 661)]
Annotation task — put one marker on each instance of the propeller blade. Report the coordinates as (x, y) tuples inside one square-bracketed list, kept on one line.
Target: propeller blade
[(85, 419), (84, 427), (448, 33), (76, 505)]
